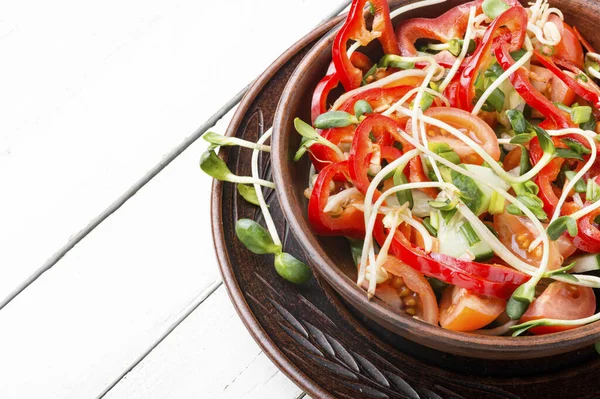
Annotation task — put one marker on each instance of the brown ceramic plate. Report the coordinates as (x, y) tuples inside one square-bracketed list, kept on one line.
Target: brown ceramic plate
[(323, 344), (331, 256)]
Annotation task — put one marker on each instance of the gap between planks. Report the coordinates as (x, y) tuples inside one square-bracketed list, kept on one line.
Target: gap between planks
[(184, 314)]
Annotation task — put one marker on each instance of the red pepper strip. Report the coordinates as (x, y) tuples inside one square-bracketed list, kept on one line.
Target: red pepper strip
[(331, 81), (350, 223), (390, 154), (450, 25), (355, 29), (588, 235), (593, 96), (535, 99), (547, 175), (513, 19), (321, 155), (483, 279), (379, 127), (583, 41)]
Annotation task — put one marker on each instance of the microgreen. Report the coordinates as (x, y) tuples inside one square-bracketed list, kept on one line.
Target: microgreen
[(333, 119), (403, 196), (560, 225), (216, 168), (219, 140), (362, 107), (395, 61), (248, 193)]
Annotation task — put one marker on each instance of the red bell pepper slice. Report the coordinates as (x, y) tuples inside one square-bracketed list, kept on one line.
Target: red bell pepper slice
[(589, 91), (450, 25), (355, 29), (331, 81), (588, 235), (350, 223), (547, 175), (535, 99), (378, 127), (321, 155), (481, 278), (511, 25)]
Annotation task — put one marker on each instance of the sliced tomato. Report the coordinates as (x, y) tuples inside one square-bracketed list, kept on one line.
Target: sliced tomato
[(427, 309), (479, 131), (517, 233), (550, 86), (512, 159), (462, 310), (561, 301), (568, 49)]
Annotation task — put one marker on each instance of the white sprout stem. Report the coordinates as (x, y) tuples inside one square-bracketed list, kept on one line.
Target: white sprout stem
[(340, 197), (485, 234), (251, 180), (367, 250), (513, 68), (558, 322), (408, 95), (382, 257), (546, 158), (403, 160), (261, 199), (414, 6), (539, 34), (352, 49), (579, 174), (248, 144), (569, 186), (463, 51), (500, 330), (378, 83), (588, 209), (496, 245), (594, 73)]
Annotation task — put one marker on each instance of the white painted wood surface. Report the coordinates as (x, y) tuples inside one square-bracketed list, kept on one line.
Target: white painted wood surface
[(92, 96)]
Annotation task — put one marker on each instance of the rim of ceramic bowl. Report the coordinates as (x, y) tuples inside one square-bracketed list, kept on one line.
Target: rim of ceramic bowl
[(465, 344)]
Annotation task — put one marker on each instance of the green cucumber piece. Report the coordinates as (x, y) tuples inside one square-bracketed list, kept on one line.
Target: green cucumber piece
[(585, 263)]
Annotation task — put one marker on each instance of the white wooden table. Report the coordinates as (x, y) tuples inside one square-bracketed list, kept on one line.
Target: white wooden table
[(94, 96)]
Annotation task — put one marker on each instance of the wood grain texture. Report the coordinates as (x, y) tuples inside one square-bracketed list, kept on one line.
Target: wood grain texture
[(210, 354)]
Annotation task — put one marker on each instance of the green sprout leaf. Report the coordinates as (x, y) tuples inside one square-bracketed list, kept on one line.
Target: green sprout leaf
[(532, 202), (576, 146), (333, 119), (369, 73), (403, 196), (567, 153), (525, 165), (545, 140), (522, 138), (427, 223), (581, 114), (580, 186), (305, 130), (517, 121), (255, 237), (248, 193), (493, 8), (215, 167), (291, 269), (519, 301), (515, 309), (362, 107), (592, 193), (560, 225)]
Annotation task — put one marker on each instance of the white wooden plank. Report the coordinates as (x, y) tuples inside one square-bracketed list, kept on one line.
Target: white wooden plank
[(94, 94), (210, 355), (70, 334)]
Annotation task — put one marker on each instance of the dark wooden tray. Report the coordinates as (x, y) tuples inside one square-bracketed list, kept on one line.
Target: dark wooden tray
[(323, 345)]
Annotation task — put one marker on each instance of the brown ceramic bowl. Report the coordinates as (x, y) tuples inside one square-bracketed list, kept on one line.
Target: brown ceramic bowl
[(330, 256)]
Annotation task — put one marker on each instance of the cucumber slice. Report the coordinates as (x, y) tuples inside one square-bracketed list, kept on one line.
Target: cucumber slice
[(585, 263), (476, 195), (453, 243)]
